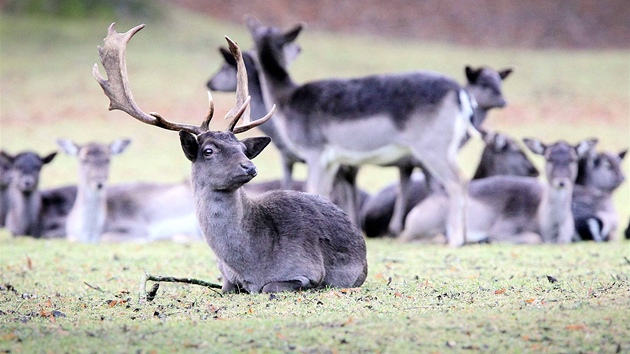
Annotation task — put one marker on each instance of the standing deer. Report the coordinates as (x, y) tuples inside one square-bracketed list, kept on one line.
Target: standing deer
[(377, 119), (501, 155), (599, 175), (25, 203), (125, 212), (226, 80), (511, 208), (281, 241)]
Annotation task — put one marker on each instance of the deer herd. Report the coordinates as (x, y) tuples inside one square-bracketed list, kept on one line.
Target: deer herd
[(288, 234)]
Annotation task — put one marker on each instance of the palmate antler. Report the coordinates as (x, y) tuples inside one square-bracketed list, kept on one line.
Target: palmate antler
[(117, 88)]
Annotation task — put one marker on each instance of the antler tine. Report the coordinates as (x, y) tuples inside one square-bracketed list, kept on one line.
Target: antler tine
[(205, 125), (241, 109), (117, 87)]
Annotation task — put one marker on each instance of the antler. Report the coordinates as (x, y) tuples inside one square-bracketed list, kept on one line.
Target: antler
[(118, 90), (241, 109), (117, 87)]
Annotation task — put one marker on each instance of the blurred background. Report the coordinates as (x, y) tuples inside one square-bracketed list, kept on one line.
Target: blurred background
[(571, 61)]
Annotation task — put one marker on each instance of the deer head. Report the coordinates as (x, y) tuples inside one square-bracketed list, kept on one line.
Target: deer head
[(194, 138)]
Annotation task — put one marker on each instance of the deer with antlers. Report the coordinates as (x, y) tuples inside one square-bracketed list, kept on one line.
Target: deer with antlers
[(280, 241)]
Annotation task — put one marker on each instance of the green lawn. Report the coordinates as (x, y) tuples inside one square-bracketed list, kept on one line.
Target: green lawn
[(57, 297)]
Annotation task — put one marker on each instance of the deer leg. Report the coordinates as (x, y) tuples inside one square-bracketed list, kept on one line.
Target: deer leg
[(447, 172), (396, 224), (345, 193), (287, 169), (280, 286)]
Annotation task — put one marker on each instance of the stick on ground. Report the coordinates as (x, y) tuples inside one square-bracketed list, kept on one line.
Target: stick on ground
[(158, 279)]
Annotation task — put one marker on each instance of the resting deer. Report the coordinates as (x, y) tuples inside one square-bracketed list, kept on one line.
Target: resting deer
[(379, 119), (225, 80), (5, 181), (281, 241), (135, 211), (25, 203), (511, 208), (501, 155), (599, 175)]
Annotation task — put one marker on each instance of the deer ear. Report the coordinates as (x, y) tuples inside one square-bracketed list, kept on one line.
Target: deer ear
[(504, 73), (5, 156), (255, 146), (68, 146), (49, 158), (190, 145), (118, 146), (472, 74), (227, 56), (585, 147), (500, 142), (622, 154), (292, 34), (536, 146)]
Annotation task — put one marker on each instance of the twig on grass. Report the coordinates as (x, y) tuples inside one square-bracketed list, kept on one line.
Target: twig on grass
[(93, 287), (153, 292)]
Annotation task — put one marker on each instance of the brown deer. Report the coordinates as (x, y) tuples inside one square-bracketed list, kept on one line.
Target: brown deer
[(512, 208), (280, 241)]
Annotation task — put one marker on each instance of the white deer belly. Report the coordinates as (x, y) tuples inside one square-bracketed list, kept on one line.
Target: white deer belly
[(372, 140)]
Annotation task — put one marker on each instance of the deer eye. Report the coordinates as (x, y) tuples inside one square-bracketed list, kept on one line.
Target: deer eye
[(208, 152)]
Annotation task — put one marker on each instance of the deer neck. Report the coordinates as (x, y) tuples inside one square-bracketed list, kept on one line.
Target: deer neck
[(86, 220), (275, 78), (554, 214), (25, 207), (223, 219)]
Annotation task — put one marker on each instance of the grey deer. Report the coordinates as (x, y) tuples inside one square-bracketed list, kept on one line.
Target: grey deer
[(511, 208), (136, 211), (371, 120), (225, 79), (501, 155), (281, 241), (599, 175), (23, 215), (5, 181)]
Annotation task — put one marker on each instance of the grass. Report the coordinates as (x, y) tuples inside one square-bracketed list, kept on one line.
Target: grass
[(427, 298), (417, 297)]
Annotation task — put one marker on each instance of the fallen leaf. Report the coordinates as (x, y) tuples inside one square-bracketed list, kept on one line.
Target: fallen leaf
[(577, 327), (529, 301), (29, 263), (499, 291)]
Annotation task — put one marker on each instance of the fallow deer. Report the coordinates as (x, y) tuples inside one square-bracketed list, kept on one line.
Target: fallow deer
[(5, 181), (280, 241), (501, 155), (378, 119), (511, 208), (136, 211), (599, 175), (344, 185), (25, 203)]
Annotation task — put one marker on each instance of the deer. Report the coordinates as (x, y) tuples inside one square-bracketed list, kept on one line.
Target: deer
[(513, 209), (283, 240), (225, 80), (136, 211), (501, 155), (5, 181), (379, 119), (599, 175), (23, 216)]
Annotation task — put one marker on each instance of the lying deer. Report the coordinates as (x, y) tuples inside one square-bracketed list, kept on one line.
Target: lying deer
[(378, 120), (23, 216), (281, 241), (124, 212), (511, 208), (344, 185), (501, 155), (5, 181), (599, 175)]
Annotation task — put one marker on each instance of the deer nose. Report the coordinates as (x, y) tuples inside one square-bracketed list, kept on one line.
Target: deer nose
[(249, 169)]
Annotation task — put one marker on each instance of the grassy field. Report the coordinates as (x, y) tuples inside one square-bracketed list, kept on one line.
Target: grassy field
[(57, 297)]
